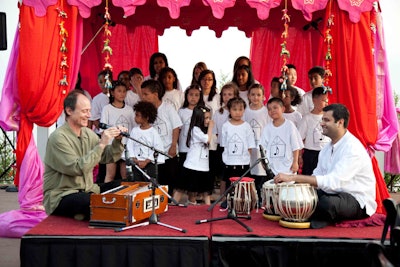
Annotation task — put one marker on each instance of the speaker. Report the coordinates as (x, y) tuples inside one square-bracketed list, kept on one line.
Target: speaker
[(3, 31)]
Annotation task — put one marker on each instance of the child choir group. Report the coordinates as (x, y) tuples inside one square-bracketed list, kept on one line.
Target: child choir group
[(210, 134)]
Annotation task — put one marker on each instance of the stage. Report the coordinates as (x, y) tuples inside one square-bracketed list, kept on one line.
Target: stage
[(59, 242)]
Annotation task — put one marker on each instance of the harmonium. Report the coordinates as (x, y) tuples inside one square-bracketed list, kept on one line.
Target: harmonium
[(127, 204)]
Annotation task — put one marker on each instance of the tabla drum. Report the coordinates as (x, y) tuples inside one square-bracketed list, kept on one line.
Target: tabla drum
[(295, 203), (268, 196), (245, 196)]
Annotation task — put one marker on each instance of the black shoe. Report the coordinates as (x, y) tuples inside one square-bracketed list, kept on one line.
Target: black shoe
[(315, 224), (11, 188), (224, 206)]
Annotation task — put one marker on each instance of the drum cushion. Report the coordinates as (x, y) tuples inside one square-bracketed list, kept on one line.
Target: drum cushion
[(244, 179)]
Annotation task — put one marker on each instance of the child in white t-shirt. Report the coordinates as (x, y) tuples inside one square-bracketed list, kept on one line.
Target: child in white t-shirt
[(256, 114), (167, 125), (169, 82), (193, 98), (196, 177), (141, 155), (281, 140), (117, 113), (228, 91), (311, 132), (237, 141), (100, 100), (291, 99)]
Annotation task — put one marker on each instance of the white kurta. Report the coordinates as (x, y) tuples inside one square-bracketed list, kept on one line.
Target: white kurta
[(346, 167)]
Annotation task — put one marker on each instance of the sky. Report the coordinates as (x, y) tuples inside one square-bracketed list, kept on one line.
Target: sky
[(220, 53)]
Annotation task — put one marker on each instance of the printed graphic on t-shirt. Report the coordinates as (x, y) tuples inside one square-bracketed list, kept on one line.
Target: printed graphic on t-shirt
[(139, 149), (161, 127), (235, 146), (256, 126), (122, 121), (278, 148), (185, 127), (204, 152), (318, 137), (172, 103)]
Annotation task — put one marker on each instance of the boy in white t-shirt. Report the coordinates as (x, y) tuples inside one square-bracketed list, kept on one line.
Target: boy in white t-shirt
[(311, 132), (100, 100), (167, 125), (281, 139), (316, 76)]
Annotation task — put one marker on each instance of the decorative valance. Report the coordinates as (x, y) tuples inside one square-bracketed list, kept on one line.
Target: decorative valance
[(192, 14)]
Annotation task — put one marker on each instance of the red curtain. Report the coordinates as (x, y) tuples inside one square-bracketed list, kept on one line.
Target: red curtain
[(266, 59), (354, 82), (131, 46), (39, 72)]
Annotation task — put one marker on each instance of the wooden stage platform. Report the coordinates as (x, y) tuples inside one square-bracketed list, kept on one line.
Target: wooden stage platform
[(59, 242)]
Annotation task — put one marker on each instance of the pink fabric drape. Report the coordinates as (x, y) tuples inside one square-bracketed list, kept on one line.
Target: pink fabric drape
[(386, 114), (15, 223), (32, 80)]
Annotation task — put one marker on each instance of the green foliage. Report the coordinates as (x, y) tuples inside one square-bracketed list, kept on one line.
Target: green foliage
[(223, 79), (393, 182), (7, 159)]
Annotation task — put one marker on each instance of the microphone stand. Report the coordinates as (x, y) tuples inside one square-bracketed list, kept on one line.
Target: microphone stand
[(231, 211), (154, 184)]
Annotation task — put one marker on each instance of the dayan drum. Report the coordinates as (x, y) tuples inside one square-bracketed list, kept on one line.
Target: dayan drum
[(268, 196), (295, 203), (245, 196)]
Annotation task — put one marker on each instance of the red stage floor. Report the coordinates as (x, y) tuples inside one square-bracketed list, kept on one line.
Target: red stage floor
[(185, 218)]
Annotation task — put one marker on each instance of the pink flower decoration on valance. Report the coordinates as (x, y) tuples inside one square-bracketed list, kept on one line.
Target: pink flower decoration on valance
[(218, 6), (355, 8), (129, 6), (84, 6), (263, 6), (307, 7), (40, 6), (174, 6)]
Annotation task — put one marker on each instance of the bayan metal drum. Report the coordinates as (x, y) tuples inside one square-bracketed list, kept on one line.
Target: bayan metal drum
[(295, 203), (268, 196), (245, 196)]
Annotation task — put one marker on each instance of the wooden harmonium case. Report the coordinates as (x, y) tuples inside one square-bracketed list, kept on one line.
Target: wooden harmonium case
[(127, 204)]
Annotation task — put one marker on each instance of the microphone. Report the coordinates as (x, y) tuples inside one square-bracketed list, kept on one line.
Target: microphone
[(265, 164), (313, 24), (105, 126), (129, 163)]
